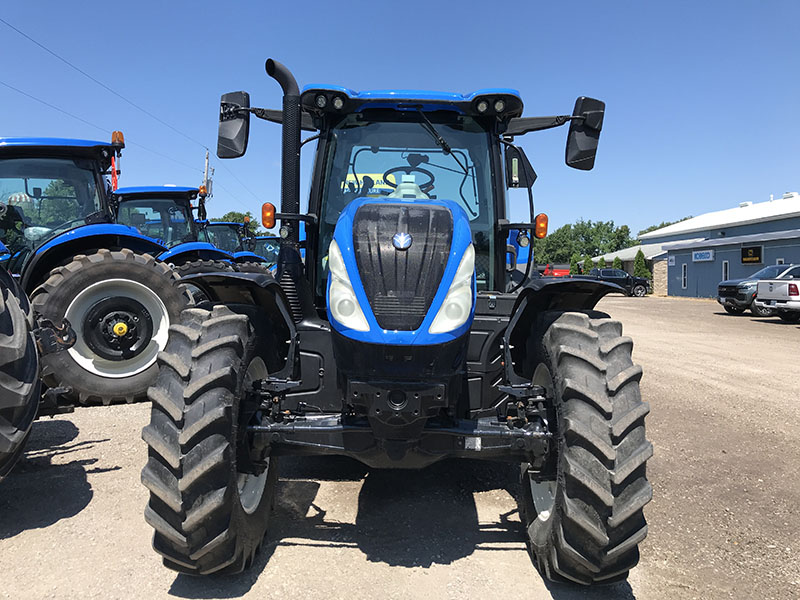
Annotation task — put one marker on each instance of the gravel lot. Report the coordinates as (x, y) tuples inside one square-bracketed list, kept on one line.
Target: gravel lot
[(724, 522)]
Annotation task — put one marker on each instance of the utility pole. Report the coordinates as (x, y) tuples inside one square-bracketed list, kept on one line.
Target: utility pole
[(207, 177)]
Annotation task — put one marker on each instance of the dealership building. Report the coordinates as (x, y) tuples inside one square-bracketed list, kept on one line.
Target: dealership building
[(696, 254)]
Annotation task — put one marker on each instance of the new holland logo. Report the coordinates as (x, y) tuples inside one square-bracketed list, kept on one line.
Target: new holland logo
[(402, 240)]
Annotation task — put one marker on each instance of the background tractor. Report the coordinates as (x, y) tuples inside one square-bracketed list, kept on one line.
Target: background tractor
[(76, 264), (235, 239), (165, 213), (403, 338)]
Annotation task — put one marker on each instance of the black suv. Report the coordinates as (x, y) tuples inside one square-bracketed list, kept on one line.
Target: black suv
[(634, 286)]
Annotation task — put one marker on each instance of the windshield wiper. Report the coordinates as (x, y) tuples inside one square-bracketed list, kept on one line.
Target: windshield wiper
[(439, 139)]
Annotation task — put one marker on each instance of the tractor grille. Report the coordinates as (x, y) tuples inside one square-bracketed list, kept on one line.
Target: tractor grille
[(400, 284)]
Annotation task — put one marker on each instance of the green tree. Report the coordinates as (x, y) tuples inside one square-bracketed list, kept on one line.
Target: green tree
[(617, 262), (588, 264), (640, 266), (58, 204), (234, 216), (582, 237), (601, 264), (574, 268), (662, 225)]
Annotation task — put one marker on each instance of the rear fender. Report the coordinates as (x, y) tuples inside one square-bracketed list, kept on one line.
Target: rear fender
[(262, 299), (526, 327), (84, 240)]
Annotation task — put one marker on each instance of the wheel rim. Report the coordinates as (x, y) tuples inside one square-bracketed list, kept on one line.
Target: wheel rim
[(543, 492), (250, 486), (81, 308), (639, 291)]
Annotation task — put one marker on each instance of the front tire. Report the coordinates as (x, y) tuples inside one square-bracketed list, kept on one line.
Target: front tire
[(253, 267), (761, 311), (208, 517), (584, 517), (789, 316), (120, 305), (19, 373)]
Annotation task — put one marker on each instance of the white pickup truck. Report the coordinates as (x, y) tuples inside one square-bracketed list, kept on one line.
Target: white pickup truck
[(782, 294)]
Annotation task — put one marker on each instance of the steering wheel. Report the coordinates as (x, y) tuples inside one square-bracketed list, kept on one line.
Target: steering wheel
[(426, 187)]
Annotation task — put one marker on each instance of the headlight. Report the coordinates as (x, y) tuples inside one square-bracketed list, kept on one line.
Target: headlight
[(457, 305), (342, 300)]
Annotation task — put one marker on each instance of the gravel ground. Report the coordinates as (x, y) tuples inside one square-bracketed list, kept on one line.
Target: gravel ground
[(723, 524)]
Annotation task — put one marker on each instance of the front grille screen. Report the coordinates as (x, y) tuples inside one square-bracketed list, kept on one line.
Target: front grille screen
[(400, 284)]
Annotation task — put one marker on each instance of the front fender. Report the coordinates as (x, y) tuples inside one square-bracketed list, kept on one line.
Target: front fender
[(260, 297), (83, 240), (194, 251), (542, 294), (246, 256)]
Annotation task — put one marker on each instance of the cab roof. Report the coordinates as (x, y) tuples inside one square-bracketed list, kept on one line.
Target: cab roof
[(158, 190), (31, 146), (427, 99)]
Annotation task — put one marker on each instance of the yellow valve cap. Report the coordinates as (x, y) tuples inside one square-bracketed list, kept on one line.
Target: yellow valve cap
[(120, 329)]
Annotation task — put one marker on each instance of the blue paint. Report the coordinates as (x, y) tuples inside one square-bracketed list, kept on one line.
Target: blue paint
[(157, 190), (187, 251), (101, 229), (462, 238), (33, 142)]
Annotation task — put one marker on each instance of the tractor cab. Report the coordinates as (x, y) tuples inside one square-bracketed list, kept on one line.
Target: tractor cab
[(49, 187), (166, 214), (233, 238)]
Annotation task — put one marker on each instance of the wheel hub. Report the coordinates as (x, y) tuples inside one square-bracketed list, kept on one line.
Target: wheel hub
[(117, 328)]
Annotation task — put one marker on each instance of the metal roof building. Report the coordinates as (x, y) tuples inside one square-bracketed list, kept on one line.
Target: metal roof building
[(700, 252)]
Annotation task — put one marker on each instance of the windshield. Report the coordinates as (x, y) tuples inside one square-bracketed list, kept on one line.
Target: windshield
[(224, 236), (42, 197), (268, 248), (395, 154), (770, 272), (167, 220)]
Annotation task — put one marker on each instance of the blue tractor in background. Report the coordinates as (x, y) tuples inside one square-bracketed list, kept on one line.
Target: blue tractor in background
[(403, 338), (76, 264), (165, 213), (235, 239)]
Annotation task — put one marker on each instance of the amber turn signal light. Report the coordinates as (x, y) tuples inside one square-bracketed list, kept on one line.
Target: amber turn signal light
[(268, 215), (540, 228), (117, 138)]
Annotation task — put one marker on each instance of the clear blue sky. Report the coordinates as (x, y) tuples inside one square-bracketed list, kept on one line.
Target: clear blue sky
[(702, 97)]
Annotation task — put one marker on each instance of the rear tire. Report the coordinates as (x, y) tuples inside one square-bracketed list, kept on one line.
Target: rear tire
[(253, 267), (758, 311), (732, 310), (19, 373), (76, 291), (584, 519), (789, 316), (208, 517), (201, 266)]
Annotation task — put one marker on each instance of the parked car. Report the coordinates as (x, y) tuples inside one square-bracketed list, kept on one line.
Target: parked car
[(633, 286), (781, 295), (737, 295)]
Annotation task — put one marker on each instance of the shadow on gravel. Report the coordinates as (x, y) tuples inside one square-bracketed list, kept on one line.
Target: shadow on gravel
[(38, 493), (617, 591), (405, 518)]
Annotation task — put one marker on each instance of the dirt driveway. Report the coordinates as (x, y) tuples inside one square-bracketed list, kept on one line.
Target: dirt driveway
[(724, 523)]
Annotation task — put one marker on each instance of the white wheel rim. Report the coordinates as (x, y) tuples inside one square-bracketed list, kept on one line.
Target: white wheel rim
[(117, 369), (543, 492), (251, 487)]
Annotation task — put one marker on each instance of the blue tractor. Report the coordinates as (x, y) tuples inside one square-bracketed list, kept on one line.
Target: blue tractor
[(165, 213), (402, 339), (75, 263), (234, 238)]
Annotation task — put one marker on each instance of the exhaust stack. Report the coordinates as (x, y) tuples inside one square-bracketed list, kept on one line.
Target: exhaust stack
[(290, 151)]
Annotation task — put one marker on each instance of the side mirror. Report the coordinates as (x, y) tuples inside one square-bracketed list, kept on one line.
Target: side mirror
[(519, 171), (234, 125), (37, 192), (584, 133)]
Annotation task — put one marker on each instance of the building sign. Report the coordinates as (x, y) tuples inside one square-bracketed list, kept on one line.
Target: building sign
[(671, 262), (702, 256), (751, 255)]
